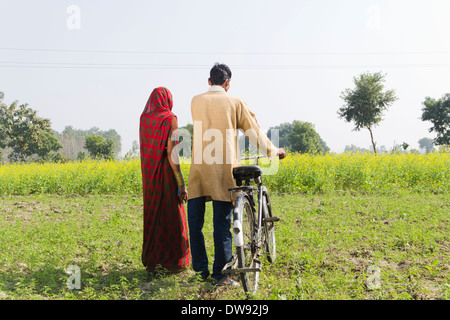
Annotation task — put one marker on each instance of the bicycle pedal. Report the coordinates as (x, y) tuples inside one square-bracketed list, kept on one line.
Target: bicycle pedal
[(272, 219), (230, 265)]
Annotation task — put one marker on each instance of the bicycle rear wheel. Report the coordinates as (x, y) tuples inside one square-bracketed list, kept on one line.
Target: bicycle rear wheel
[(269, 229), (246, 252)]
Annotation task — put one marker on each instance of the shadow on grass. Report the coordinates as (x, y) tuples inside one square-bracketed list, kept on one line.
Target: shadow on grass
[(99, 283)]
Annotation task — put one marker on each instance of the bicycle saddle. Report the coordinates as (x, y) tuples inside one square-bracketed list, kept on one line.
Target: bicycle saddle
[(246, 172)]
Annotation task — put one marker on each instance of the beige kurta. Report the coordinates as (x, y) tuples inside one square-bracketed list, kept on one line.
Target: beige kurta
[(217, 116)]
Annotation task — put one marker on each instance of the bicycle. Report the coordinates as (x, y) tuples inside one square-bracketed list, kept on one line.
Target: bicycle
[(253, 230)]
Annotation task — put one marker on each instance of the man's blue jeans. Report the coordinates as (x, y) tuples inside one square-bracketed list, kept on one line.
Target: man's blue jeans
[(222, 212)]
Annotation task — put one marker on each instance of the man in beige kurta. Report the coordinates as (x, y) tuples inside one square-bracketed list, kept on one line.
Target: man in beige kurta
[(217, 116)]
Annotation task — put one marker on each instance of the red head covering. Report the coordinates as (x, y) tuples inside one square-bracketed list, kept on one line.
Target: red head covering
[(160, 100)]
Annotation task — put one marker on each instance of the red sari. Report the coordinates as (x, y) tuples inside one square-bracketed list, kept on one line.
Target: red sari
[(165, 241)]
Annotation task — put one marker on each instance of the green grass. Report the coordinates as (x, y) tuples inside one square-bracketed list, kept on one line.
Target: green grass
[(342, 216), (325, 245)]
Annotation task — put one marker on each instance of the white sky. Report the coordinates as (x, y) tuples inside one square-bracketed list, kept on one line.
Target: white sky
[(290, 59)]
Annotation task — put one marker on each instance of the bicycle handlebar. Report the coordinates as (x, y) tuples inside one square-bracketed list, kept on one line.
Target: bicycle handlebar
[(254, 157)]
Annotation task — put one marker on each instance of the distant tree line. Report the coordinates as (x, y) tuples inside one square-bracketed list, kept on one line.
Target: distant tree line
[(426, 145), (24, 136), (297, 136), (79, 144)]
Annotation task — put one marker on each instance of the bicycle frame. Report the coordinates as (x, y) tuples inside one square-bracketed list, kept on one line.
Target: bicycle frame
[(260, 189)]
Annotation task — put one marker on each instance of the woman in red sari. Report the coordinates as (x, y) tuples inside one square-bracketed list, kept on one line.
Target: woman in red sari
[(166, 242)]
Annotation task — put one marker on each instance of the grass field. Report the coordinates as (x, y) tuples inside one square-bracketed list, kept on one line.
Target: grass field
[(346, 234), (325, 246)]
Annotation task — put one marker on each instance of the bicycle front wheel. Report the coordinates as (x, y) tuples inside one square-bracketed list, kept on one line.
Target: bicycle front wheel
[(246, 251)]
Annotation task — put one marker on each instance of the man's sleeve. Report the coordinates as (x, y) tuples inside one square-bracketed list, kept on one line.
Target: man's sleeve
[(246, 121)]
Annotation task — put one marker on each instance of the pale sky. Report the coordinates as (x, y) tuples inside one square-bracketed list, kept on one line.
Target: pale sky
[(91, 63)]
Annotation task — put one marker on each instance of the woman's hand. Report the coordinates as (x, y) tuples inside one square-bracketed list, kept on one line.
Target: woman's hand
[(183, 194)]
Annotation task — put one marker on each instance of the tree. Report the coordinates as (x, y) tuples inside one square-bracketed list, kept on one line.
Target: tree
[(184, 133), (426, 144), (365, 104), (284, 130), (305, 139), (3, 125), (134, 151), (298, 137), (99, 147), (81, 156), (73, 140), (25, 133), (355, 149), (405, 146), (438, 112), (112, 135), (50, 145)]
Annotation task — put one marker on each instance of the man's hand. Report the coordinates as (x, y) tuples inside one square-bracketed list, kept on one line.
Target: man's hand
[(183, 195), (281, 153)]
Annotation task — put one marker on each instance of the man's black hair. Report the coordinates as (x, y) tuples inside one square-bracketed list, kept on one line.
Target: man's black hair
[(219, 74)]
